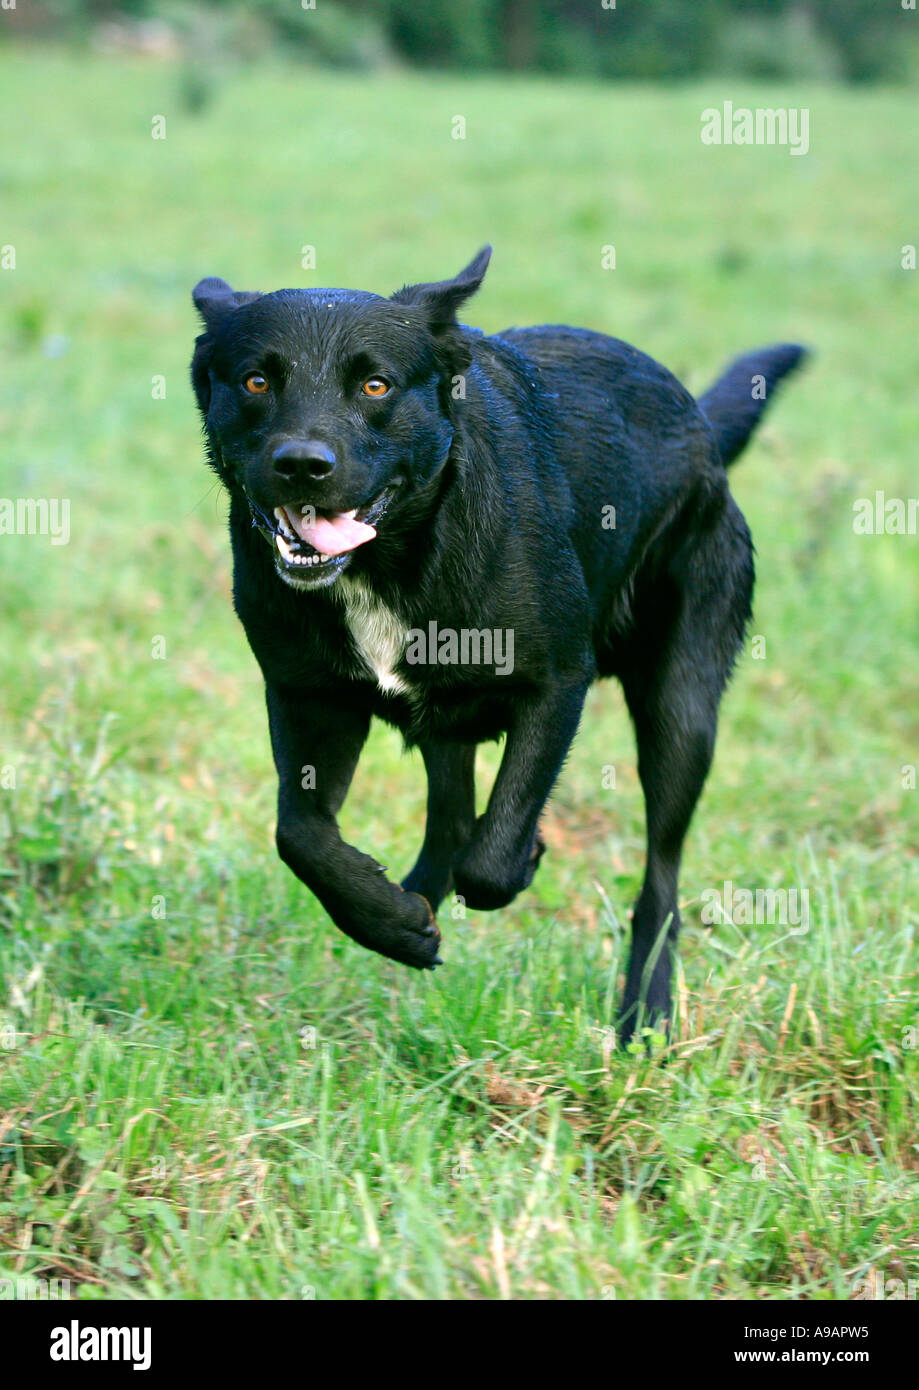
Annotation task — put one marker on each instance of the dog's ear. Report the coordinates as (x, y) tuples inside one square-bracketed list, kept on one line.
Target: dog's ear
[(442, 298), (213, 298), (438, 302)]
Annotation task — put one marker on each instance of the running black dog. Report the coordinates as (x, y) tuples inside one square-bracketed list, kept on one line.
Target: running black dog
[(458, 534)]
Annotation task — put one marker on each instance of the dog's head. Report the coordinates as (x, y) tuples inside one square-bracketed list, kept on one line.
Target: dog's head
[(327, 409)]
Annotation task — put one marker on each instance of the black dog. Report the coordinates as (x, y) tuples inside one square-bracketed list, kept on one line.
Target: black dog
[(458, 534)]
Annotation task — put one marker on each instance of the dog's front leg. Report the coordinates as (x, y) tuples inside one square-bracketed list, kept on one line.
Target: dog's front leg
[(504, 850), (316, 746), (450, 817)]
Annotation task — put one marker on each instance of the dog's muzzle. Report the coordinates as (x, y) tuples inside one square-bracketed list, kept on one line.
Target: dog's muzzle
[(312, 547)]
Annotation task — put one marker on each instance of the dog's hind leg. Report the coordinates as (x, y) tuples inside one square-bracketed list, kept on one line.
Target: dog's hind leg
[(673, 685), (675, 730), (450, 768)]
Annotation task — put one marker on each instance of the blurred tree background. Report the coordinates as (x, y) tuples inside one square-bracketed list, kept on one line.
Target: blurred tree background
[(845, 40)]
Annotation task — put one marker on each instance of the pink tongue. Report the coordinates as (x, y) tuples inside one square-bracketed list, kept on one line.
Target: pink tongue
[(332, 535)]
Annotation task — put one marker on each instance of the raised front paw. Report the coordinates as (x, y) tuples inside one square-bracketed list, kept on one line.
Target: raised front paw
[(485, 878), (419, 935), (408, 933), (398, 925)]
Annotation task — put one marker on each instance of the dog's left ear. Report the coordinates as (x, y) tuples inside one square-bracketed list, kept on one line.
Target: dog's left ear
[(213, 298), (442, 298)]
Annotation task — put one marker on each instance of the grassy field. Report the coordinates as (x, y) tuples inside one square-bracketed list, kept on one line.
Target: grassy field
[(205, 1091)]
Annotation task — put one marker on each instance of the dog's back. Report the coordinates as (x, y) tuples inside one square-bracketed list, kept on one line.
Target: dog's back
[(632, 440)]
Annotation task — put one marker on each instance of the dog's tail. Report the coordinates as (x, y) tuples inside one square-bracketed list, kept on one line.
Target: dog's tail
[(739, 397)]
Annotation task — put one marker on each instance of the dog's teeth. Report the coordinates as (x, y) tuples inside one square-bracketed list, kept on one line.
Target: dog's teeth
[(296, 556), (283, 521)]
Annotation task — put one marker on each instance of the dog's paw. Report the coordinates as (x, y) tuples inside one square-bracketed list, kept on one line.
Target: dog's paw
[(421, 937), (485, 880), (409, 934), (642, 1021)]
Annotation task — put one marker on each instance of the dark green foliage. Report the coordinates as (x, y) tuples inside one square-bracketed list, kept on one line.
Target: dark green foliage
[(853, 40)]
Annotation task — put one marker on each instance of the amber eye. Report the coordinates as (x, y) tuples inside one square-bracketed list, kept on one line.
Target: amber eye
[(256, 384), (375, 387)]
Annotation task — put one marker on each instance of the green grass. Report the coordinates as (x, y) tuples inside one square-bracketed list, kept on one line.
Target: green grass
[(167, 1127)]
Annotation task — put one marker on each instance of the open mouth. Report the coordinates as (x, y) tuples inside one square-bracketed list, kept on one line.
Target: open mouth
[(312, 547)]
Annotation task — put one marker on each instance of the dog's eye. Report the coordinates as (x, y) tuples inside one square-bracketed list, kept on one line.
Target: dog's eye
[(375, 387), (256, 384)]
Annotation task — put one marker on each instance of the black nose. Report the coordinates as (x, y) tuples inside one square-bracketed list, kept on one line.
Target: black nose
[(304, 458)]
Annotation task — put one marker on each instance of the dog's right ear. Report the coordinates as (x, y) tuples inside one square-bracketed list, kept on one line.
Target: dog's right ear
[(214, 299)]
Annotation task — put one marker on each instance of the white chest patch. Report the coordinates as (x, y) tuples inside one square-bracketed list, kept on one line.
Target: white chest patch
[(377, 633)]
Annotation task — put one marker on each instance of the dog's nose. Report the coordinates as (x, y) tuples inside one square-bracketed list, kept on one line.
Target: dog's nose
[(304, 458)]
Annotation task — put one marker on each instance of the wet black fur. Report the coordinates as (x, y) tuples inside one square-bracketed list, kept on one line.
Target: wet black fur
[(506, 451)]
